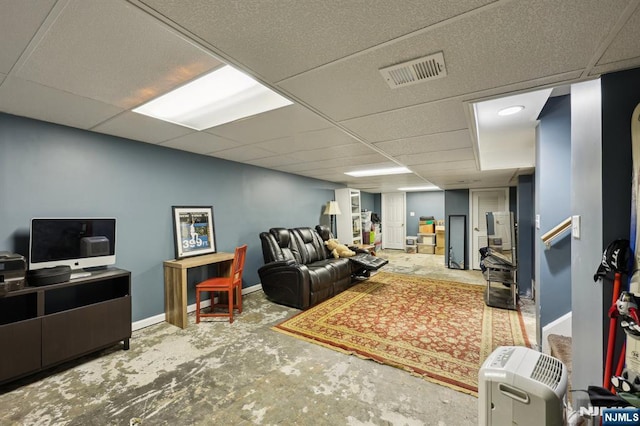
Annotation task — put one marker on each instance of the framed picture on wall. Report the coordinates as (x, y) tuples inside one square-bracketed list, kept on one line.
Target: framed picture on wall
[(194, 231)]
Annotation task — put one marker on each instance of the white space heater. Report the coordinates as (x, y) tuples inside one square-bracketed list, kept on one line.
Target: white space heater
[(518, 385)]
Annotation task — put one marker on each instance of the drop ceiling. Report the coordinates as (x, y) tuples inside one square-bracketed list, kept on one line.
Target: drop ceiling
[(88, 63)]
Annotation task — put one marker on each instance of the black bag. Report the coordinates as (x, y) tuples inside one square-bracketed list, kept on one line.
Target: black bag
[(616, 257)]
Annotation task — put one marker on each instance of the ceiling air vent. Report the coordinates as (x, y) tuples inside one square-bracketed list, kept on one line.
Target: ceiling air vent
[(416, 71)]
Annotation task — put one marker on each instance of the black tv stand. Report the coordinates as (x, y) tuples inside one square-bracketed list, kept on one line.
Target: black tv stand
[(44, 326)]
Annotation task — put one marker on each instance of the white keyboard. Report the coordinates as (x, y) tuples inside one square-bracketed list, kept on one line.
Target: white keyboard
[(76, 275)]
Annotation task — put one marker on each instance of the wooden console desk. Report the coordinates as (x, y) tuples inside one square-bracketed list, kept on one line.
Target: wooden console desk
[(175, 283)]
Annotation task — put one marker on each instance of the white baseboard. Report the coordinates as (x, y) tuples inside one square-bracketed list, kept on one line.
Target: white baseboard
[(560, 326), (156, 319)]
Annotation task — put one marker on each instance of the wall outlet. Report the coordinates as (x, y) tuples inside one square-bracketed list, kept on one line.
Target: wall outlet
[(412, 213)]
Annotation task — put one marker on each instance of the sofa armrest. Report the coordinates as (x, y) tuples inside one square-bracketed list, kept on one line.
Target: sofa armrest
[(358, 250), (286, 282)]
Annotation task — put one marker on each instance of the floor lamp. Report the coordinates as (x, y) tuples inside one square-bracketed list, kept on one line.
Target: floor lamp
[(332, 208)]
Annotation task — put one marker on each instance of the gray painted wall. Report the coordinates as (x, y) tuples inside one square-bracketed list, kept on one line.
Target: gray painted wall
[(426, 203), (586, 252), (52, 170), (553, 205)]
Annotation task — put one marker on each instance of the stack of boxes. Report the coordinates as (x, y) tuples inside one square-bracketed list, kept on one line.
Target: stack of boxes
[(426, 235), (440, 237), (410, 245)]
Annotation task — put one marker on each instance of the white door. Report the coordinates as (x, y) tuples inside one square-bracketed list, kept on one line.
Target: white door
[(483, 201), (393, 217)]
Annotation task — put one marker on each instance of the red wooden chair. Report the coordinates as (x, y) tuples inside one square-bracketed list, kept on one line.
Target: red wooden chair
[(231, 284)]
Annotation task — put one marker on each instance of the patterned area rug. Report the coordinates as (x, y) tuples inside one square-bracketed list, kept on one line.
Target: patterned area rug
[(440, 330)]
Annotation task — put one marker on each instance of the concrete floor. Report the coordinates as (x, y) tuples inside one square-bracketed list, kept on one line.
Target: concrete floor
[(239, 374)]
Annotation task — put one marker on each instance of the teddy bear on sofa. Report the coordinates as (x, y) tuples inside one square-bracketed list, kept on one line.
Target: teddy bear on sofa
[(337, 249)]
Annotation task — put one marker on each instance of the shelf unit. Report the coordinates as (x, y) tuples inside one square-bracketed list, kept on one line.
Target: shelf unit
[(44, 326), (502, 284), (349, 222), (426, 243)]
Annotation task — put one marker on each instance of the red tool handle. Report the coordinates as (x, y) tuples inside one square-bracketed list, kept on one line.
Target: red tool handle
[(612, 333)]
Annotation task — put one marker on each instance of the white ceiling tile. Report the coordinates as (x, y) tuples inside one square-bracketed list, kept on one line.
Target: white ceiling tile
[(447, 172), (274, 162), (333, 152), (327, 137), (373, 158), (425, 169), (140, 127), (280, 39), (427, 144), (400, 180), (20, 97), (486, 179), (627, 64), (19, 21), (436, 117), (493, 48), (625, 45), (437, 157), (508, 148), (112, 52), (200, 143), (242, 153), (335, 172), (91, 59), (310, 140), (392, 184), (274, 124)]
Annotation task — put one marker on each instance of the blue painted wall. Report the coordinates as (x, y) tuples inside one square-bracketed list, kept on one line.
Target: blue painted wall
[(52, 170), (526, 232), (367, 202), (553, 204), (426, 203)]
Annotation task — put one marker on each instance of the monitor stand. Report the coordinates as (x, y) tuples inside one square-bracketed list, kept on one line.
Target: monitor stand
[(96, 268)]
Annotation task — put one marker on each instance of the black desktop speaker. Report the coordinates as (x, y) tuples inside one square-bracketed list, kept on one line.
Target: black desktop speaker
[(94, 246)]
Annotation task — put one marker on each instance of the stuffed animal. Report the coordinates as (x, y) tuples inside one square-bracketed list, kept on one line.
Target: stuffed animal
[(337, 249)]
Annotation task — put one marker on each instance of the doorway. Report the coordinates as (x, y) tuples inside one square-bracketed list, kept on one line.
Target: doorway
[(393, 220), (483, 201)]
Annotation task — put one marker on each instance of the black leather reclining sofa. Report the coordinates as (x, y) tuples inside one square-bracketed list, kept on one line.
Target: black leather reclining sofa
[(299, 270)]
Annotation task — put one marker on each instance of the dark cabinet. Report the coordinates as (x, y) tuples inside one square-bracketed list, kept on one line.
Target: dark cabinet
[(44, 326)]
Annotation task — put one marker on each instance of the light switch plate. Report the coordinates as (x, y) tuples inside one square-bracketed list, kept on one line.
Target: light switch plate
[(575, 226), (412, 213), (537, 221)]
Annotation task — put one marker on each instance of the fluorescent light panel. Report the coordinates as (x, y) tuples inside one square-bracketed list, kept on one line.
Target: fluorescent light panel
[(379, 172), (420, 188), (220, 97)]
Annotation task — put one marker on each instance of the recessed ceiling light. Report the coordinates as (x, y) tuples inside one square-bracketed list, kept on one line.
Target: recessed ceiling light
[(510, 110), (420, 188), (220, 97), (379, 172)]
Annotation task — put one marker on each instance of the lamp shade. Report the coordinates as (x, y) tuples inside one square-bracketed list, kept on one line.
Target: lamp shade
[(332, 208)]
